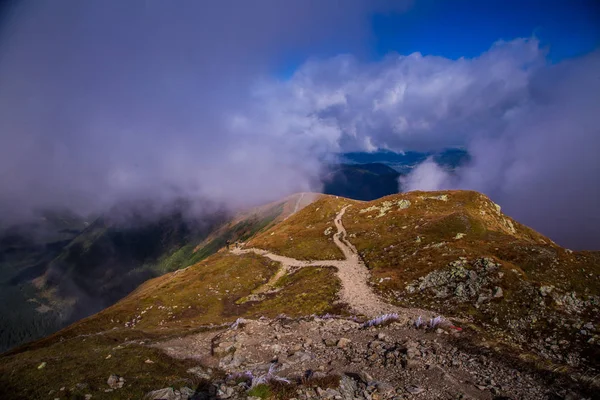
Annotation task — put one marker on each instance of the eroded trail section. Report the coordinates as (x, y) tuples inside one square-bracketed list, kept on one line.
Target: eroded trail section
[(352, 272)]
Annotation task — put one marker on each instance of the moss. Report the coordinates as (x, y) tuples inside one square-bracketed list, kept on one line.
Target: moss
[(261, 391)]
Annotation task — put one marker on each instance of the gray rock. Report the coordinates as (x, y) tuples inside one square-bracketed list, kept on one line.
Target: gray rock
[(115, 381), (498, 293), (347, 387), (201, 372), (225, 392), (412, 389), (162, 394), (385, 388)]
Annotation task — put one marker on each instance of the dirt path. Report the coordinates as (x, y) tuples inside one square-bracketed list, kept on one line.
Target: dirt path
[(352, 272), (298, 203)]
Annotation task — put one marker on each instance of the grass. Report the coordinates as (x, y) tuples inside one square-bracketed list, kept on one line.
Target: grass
[(302, 236), (309, 291), (262, 391), (204, 293), (83, 361), (399, 247)]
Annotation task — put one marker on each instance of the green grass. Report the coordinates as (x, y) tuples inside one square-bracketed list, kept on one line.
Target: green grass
[(261, 391)]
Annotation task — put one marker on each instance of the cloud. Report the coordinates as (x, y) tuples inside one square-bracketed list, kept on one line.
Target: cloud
[(543, 166), (105, 102), (531, 127), (426, 176), (407, 102), (110, 101)]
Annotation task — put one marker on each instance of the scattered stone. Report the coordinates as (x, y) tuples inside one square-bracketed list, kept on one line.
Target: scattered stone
[(343, 343), (149, 361), (42, 365), (162, 394), (414, 389), (201, 372), (498, 293), (115, 381)]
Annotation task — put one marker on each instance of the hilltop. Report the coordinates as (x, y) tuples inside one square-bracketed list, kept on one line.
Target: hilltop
[(293, 299)]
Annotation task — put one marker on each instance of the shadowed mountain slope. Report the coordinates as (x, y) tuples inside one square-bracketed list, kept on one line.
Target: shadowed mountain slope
[(361, 181)]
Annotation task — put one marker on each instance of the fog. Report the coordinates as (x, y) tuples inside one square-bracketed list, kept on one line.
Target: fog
[(106, 103)]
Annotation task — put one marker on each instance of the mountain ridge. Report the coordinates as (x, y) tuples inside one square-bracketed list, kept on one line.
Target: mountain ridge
[(461, 258)]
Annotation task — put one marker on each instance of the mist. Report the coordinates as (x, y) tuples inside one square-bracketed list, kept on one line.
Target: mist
[(105, 102), (543, 165), (531, 126), (231, 104)]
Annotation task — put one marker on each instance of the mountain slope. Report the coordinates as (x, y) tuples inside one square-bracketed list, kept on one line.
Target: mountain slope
[(528, 310), (74, 270)]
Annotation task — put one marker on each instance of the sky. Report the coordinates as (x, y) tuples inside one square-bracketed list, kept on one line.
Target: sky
[(106, 102)]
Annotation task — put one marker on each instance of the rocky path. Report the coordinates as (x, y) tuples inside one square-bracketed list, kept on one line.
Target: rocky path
[(352, 272)]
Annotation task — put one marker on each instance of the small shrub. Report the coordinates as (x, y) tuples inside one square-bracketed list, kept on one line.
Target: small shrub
[(434, 322), (418, 322), (384, 319)]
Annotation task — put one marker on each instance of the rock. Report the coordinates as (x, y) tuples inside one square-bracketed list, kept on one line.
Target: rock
[(381, 336), (149, 361), (498, 293), (546, 290), (384, 388), (327, 394), (224, 348), (237, 361), (201, 372), (412, 389), (162, 394), (343, 343), (186, 392), (225, 392), (365, 377), (276, 348), (115, 381), (88, 397), (42, 365), (347, 387), (329, 342)]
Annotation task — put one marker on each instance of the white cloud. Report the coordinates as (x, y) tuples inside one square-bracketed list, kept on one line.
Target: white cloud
[(409, 101), (531, 127), (426, 176)]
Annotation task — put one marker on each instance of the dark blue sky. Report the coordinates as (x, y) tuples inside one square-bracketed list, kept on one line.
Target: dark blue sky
[(467, 28)]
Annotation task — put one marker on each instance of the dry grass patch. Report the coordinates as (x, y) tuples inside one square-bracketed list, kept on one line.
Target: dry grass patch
[(306, 235)]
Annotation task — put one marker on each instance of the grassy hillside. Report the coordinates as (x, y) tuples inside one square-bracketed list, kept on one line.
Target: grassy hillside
[(71, 270), (452, 252)]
